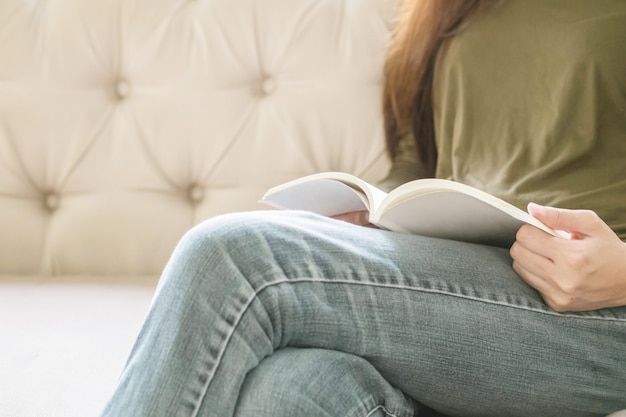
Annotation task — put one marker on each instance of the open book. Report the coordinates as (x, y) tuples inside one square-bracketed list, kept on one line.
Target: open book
[(430, 207)]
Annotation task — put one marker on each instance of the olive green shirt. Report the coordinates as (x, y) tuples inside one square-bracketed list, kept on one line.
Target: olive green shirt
[(530, 105)]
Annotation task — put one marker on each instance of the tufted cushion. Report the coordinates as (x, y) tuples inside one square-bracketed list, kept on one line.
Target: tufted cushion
[(123, 123)]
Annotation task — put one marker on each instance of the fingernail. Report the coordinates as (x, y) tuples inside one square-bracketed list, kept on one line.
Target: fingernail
[(534, 208)]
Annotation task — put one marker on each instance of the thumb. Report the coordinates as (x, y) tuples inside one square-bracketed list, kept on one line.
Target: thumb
[(577, 222)]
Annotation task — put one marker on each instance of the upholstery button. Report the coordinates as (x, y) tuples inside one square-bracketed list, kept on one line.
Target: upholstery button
[(195, 193), (122, 89), (268, 85), (51, 201)]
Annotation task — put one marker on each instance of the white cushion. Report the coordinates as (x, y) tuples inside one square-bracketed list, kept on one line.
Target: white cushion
[(124, 123)]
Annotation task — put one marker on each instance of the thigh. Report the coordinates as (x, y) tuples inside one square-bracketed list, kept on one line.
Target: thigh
[(319, 383), (449, 323)]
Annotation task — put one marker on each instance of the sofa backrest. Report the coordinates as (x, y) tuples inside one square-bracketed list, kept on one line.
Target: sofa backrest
[(125, 122)]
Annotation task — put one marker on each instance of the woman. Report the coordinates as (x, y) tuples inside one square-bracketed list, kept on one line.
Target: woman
[(293, 314)]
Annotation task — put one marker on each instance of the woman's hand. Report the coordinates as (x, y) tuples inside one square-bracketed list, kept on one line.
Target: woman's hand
[(584, 271), (360, 218)]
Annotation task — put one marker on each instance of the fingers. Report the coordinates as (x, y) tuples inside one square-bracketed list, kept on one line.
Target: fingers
[(534, 254), (582, 271), (534, 262), (554, 297), (544, 287), (578, 222), (360, 218), (539, 242), (558, 298)]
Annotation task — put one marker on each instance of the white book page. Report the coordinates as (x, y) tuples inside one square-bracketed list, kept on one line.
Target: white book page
[(328, 194), (322, 196), (452, 215), (416, 190)]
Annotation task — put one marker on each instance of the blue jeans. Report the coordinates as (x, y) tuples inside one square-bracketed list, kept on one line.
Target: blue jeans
[(265, 313)]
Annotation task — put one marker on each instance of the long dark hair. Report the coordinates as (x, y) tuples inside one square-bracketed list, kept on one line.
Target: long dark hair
[(421, 29)]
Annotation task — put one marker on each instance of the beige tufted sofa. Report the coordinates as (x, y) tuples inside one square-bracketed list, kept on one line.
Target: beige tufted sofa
[(125, 122)]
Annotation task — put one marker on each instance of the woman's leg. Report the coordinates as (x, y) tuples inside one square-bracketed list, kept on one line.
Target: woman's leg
[(319, 383), (448, 323)]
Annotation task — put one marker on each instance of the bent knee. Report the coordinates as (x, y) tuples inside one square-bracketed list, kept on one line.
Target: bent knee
[(250, 243), (247, 227), (229, 232)]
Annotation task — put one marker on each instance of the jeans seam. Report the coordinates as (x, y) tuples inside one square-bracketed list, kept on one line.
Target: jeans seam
[(384, 410), (218, 359), (435, 291)]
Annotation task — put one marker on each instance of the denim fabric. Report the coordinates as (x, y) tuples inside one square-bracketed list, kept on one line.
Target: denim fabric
[(321, 383), (448, 323)]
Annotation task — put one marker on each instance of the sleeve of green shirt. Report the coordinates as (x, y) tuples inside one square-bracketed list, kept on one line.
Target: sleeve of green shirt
[(405, 166)]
